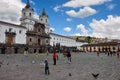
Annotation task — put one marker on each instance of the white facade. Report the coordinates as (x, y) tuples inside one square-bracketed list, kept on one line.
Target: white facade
[(28, 21), (20, 37), (79, 44), (64, 41)]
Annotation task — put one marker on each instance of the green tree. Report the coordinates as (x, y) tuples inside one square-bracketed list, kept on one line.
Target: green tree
[(89, 39)]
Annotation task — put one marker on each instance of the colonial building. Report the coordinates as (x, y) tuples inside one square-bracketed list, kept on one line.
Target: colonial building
[(64, 41), (12, 33), (101, 47), (32, 34)]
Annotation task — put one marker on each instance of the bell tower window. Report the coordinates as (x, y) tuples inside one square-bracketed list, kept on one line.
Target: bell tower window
[(24, 14), (30, 14), (41, 19)]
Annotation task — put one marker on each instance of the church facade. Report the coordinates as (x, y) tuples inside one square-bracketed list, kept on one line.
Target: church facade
[(31, 35)]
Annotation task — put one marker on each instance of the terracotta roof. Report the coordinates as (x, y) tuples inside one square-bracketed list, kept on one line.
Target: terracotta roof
[(15, 25)]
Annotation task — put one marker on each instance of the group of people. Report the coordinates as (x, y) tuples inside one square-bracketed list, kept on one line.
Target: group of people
[(55, 58), (111, 53)]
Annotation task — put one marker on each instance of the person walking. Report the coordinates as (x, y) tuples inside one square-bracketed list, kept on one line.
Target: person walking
[(47, 72), (118, 53), (54, 58), (98, 53), (69, 56)]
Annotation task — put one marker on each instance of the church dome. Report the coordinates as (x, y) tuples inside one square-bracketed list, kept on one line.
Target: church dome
[(44, 13), (28, 6)]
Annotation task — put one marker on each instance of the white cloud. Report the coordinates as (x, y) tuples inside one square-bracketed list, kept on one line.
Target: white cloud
[(111, 6), (56, 8), (52, 29), (85, 12), (77, 34), (10, 10), (67, 29), (83, 30), (106, 28), (36, 16), (69, 19), (79, 3), (32, 2)]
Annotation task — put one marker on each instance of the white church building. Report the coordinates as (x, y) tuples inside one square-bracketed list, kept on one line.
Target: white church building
[(33, 33), (64, 41), (27, 23)]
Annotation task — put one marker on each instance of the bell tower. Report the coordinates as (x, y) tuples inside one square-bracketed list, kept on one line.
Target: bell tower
[(27, 19), (43, 18)]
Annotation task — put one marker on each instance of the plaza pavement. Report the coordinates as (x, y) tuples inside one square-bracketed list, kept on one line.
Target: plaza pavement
[(20, 67)]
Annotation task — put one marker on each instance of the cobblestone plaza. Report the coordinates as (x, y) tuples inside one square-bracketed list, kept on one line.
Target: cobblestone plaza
[(21, 67)]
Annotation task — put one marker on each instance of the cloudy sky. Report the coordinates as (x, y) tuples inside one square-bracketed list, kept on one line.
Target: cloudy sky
[(96, 18)]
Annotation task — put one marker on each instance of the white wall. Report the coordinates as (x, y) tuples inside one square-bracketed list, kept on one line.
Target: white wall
[(20, 37), (64, 41)]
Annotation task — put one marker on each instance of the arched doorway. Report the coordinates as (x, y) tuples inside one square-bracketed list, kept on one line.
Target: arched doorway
[(3, 50), (35, 50), (40, 50), (15, 50)]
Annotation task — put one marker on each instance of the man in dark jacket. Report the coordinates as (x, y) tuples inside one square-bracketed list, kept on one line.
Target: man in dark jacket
[(69, 56)]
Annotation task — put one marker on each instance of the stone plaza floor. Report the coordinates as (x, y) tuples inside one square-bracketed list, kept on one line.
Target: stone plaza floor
[(21, 67)]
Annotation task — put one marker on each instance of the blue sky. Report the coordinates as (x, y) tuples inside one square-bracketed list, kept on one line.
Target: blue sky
[(96, 18)]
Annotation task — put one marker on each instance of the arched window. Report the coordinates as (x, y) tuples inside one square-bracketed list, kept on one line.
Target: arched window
[(30, 39), (46, 41), (41, 19), (24, 14), (46, 20), (30, 14)]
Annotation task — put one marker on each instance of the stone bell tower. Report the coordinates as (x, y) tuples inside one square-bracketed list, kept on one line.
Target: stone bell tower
[(43, 18)]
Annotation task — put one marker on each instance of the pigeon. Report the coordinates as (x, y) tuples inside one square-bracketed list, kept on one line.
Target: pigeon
[(7, 63), (95, 75), (70, 74), (33, 62), (17, 65)]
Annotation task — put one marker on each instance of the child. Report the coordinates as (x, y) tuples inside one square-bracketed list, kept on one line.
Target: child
[(47, 72)]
